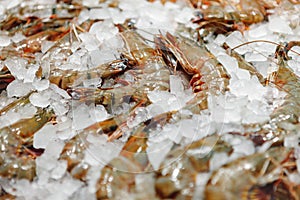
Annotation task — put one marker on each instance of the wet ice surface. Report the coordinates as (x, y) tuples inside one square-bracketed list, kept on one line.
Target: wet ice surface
[(246, 102)]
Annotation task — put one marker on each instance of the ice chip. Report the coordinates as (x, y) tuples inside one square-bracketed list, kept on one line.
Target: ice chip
[(18, 89), (229, 63), (235, 39), (40, 99), (185, 15), (157, 152), (291, 141), (176, 85), (41, 85), (277, 24), (59, 170), (4, 40), (259, 31), (89, 41), (42, 137), (46, 45), (99, 13), (217, 160), (81, 117)]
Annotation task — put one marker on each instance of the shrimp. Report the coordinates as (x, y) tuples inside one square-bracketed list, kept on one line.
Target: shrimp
[(208, 75), (66, 78), (258, 176), (288, 112), (137, 49), (120, 173), (149, 71), (194, 59), (245, 11), (32, 25), (17, 154), (176, 177), (150, 75), (31, 45)]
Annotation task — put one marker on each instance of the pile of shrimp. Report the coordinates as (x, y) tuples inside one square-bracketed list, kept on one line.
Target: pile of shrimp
[(133, 145)]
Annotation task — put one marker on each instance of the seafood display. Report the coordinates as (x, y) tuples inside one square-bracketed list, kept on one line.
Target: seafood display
[(170, 99)]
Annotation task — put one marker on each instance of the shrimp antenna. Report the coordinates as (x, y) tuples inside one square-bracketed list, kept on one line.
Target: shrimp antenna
[(265, 41)]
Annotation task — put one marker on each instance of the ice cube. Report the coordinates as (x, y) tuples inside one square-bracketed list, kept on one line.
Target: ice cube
[(245, 147), (280, 25), (59, 170), (42, 137), (229, 63), (187, 128), (41, 85), (258, 31), (176, 85), (60, 91), (116, 16), (255, 57), (46, 45), (81, 117), (217, 160), (185, 15), (90, 3), (156, 152), (93, 176), (2, 9), (53, 148), (89, 41), (18, 89), (40, 99), (99, 13), (291, 141), (17, 67), (4, 40), (59, 108), (18, 37), (169, 131), (93, 156), (30, 73), (235, 39), (92, 83)]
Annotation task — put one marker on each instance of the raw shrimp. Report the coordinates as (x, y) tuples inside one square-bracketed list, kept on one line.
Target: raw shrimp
[(208, 75), (66, 78), (176, 177), (245, 11), (151, 74), (287, 114), (153, 77), (137, 49), (120, 173), (32, 44), (17, 152), (137, 53), (258, 176)]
